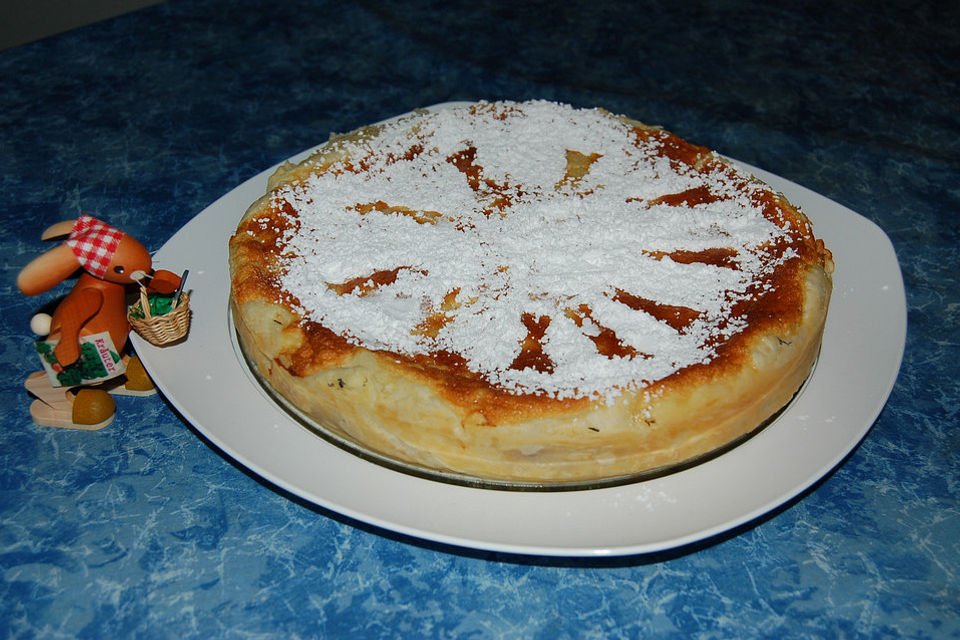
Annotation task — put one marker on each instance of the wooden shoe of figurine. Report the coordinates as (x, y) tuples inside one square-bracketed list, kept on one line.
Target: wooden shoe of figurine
[(68, 408), (138, 380), (135, 382)]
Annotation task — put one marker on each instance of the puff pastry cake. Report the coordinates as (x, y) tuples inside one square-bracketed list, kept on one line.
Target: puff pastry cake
[(528, 292)]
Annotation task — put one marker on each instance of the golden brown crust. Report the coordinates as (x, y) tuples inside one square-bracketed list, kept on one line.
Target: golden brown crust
[(434, 412)]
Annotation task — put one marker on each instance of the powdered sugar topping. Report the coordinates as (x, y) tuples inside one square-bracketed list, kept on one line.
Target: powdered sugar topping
[(467, 233)]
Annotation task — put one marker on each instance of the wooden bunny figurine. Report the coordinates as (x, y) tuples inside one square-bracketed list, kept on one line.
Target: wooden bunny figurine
[(88, 331)]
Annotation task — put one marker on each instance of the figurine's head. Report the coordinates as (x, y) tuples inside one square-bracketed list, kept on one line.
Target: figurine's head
[(103, 251)]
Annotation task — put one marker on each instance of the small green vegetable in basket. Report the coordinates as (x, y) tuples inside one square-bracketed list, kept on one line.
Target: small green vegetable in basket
[(160, 304)]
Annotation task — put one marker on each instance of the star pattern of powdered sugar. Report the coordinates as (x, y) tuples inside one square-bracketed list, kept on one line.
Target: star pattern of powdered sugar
[(551, 249)]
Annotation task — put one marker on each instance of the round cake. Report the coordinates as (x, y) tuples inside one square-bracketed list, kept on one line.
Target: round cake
[(527, 293)]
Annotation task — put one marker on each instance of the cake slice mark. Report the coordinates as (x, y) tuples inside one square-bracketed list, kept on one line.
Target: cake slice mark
[(578, 165), (717, 256), (435, 320), (607, 342), (465, 161), (411, 153), (364, 285), (690, 197), (422, 216), (679, 151), (532, 355), (678, 318)]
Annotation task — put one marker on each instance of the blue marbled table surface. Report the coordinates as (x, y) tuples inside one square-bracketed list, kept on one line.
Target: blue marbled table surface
[(144, 530)]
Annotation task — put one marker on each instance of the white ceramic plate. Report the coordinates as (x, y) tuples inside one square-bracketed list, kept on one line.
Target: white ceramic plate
[(207, 381)]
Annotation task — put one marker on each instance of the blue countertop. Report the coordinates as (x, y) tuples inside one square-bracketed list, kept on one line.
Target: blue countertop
[(145, 530)]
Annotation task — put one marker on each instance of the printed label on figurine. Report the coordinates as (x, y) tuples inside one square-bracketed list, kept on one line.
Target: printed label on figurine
[(98, 361)]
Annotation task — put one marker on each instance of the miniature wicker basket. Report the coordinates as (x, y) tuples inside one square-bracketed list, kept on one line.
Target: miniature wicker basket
[(162, 329)]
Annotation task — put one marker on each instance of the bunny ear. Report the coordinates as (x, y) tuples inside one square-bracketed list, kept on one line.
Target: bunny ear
[(47, 270), (58, 230)]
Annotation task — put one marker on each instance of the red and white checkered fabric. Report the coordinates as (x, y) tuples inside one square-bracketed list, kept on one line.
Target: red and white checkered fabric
[(94, 243)]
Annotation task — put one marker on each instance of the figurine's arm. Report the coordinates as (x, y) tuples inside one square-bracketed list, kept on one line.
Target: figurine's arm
[(73, 312), (163, 281)]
